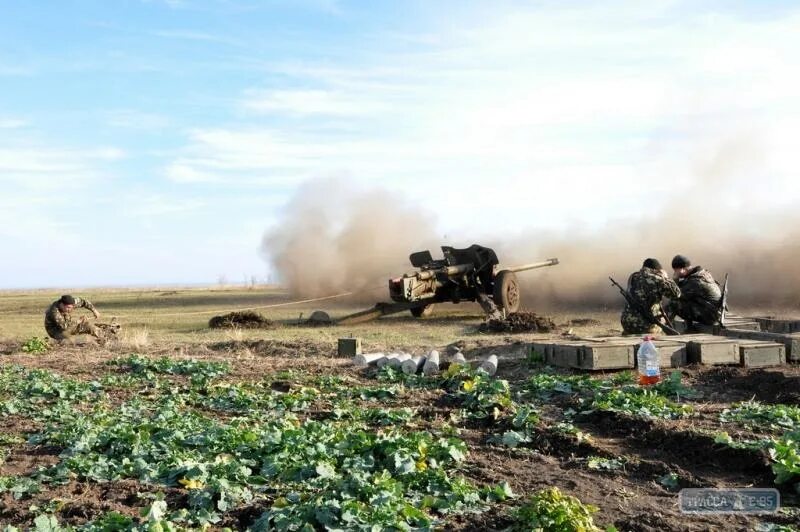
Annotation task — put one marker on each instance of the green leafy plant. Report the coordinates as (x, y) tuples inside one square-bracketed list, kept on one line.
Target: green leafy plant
[(19, 487), (673, 386), (36, 344), (604, 464), (394, 375), (616, 394), (484, 397), (312, 458), (755, 415), (670, 481), (144, 366), (772, 527), (380, 393), (227, 443), (522, 424), (545, 385), (622, 378), (551, 510), (785, 454), (724, 438), (41, 394), (640, 402), (6, 442), (374, 416)]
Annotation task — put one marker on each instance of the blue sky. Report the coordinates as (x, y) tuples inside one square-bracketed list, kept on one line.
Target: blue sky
[(155, 141)]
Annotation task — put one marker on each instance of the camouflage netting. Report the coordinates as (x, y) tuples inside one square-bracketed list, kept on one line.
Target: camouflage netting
[(519, 322), (240, 320)]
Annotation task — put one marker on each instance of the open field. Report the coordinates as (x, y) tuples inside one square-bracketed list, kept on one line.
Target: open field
[(181, 316), (267, 428)]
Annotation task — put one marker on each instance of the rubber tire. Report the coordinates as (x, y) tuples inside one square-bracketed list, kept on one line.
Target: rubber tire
[(506, 291), (422, 312)]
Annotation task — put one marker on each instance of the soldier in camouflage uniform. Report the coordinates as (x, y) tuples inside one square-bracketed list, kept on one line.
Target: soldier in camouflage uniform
[(58, 321), (701, 296), (648, 287)]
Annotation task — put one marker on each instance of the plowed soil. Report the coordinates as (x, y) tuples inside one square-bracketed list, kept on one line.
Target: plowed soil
[(519, 322), (630, 498)]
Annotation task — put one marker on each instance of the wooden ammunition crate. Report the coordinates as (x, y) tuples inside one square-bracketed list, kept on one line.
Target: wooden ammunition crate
[(712, 352), (672, 354), (605, 356), (755, 354)]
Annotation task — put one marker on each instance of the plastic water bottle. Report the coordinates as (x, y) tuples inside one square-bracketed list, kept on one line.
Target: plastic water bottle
[(649, 362)]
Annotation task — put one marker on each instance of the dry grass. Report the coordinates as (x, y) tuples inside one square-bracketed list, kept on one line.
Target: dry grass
[(179, 317), (235, 334), (135, 338)]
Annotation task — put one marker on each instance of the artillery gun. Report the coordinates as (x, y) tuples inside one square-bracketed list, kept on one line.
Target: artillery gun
[(468, 274)]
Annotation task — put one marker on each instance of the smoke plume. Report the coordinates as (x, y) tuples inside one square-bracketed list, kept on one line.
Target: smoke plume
[(335, 238)]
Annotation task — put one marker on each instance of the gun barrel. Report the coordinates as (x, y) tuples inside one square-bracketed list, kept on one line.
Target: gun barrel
[(451, 271), (533, 265)]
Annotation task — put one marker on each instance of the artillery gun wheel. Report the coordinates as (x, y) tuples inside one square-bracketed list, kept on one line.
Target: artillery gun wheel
[(506, 291), (422, 312)]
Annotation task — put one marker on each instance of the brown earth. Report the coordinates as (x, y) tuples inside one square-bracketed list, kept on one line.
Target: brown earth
[(519, 322), (241, 320), (631, 498)]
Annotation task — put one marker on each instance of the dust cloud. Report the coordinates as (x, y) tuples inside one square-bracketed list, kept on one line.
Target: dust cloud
[(717, 221), (762, 271), (335, 237)]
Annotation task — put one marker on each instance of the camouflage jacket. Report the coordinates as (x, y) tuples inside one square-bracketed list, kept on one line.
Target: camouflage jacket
[(699, 288), (57, 322), (647, 287)]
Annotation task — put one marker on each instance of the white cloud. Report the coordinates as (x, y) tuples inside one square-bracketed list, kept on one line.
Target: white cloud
[(496, 117), (586, 113), (309, 102), (27, 215), (252, 156), (151, 205), (31, 165), (182, 171), (12, 123), (134, 119), (38, 183)]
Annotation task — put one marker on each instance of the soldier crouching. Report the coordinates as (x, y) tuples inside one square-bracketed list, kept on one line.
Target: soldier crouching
[(647, 288), (60, 324), (701, 296)]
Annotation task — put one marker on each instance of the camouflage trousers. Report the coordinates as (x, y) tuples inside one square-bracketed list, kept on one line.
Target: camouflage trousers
[(692, 312), (632, 323), (82, 327)]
